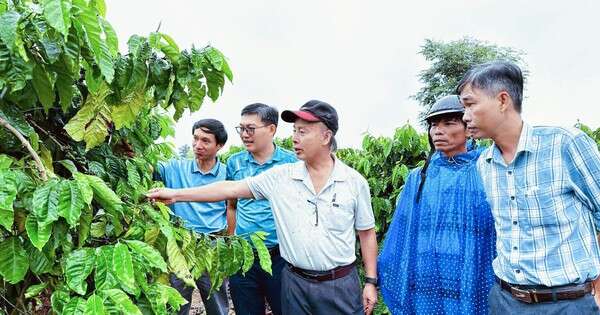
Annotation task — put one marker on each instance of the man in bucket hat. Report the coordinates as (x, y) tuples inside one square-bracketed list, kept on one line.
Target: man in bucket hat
[(319, 204), (438, 251)]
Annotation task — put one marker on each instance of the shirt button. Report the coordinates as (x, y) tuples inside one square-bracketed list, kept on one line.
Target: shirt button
[(515, 248), (509, 172), (518, 271), (515, 222), (512, 197)]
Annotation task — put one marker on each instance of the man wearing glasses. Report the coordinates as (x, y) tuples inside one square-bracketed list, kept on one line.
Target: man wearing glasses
[(247, 215), (319, 205)]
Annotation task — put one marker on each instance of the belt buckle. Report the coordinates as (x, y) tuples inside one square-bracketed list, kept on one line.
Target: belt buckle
[(522, 295), (533, 293)]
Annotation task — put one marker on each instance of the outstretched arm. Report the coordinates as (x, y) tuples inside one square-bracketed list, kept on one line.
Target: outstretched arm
[(210, 193)]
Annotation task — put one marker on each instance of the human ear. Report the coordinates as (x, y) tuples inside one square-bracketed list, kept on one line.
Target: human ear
[(505, 101), (327, 136)]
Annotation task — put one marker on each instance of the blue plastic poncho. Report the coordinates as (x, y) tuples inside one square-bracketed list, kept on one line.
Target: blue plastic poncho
[(437, 255)]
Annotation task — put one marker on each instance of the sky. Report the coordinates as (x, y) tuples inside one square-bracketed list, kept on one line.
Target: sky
[(363, 57)]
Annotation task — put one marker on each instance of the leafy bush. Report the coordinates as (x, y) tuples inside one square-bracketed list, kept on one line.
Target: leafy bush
[(80, 129)]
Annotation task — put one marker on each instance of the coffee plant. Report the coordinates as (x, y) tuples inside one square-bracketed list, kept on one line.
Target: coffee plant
[(81, 129)]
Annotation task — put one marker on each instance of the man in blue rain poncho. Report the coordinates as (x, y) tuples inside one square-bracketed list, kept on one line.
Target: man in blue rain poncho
[(437, 255)]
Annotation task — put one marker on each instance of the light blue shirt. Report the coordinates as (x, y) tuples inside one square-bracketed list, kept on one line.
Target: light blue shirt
[(255, 215), (202, 217), (546, 206)]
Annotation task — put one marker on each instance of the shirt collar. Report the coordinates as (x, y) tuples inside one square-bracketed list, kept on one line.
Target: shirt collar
[(526, 139), (214, 171), (275, 157), (526, 144), (462, 158), (339, 173)]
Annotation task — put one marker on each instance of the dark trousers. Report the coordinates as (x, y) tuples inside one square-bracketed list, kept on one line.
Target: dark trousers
[(249, 291), (216, 304), (502, 303), (302, 296)]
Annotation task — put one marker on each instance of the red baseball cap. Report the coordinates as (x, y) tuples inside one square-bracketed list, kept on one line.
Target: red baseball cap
[(314, 111)]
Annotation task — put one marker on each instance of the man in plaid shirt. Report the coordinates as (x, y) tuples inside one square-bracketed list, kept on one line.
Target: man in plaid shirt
[(543, 184)]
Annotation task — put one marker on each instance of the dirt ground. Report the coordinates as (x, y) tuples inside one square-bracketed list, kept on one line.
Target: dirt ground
[(198, 308)]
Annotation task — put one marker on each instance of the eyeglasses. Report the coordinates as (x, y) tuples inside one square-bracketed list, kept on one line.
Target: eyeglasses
[(250, 130), (314, 203)]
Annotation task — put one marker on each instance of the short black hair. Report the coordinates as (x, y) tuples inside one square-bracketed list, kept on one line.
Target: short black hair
[(494, 77), (213, 127), (267, 114)]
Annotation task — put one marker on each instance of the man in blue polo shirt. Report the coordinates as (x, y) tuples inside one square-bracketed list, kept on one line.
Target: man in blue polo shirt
[(202, 217), (257, 129)]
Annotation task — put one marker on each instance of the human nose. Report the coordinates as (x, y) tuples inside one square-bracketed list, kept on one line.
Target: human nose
[(467, 116), (295, 138)]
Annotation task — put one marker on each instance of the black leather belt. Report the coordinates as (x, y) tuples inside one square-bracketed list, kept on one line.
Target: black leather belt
[(541, 294), (320, 276)]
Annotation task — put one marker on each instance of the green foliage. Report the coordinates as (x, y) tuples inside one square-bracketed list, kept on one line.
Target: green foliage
[(449, 61), (224, 156), (185, 152), (82, 238), (13, 261), (285, 143), (263, 253), (8, 193), (594, 134)]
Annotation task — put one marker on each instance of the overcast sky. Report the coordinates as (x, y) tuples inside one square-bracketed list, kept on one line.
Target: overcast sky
[(362, 56)]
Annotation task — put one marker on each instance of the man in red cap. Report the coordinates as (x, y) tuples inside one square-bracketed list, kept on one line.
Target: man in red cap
[(319, 205)]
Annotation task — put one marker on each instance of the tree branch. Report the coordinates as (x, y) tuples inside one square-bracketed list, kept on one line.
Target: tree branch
[(63, 147), (58, 143), (27, 145)]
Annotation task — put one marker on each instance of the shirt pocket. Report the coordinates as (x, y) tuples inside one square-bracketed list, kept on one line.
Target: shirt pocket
[(339, 215), (537, 198), (549, 208)]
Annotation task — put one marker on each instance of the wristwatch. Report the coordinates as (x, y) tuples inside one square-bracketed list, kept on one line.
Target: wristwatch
[(371, 280)]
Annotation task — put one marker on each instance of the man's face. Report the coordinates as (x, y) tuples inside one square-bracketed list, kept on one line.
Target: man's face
[(309, 138), (205, 145), (449, 135), (256, 135), (483, 113)]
